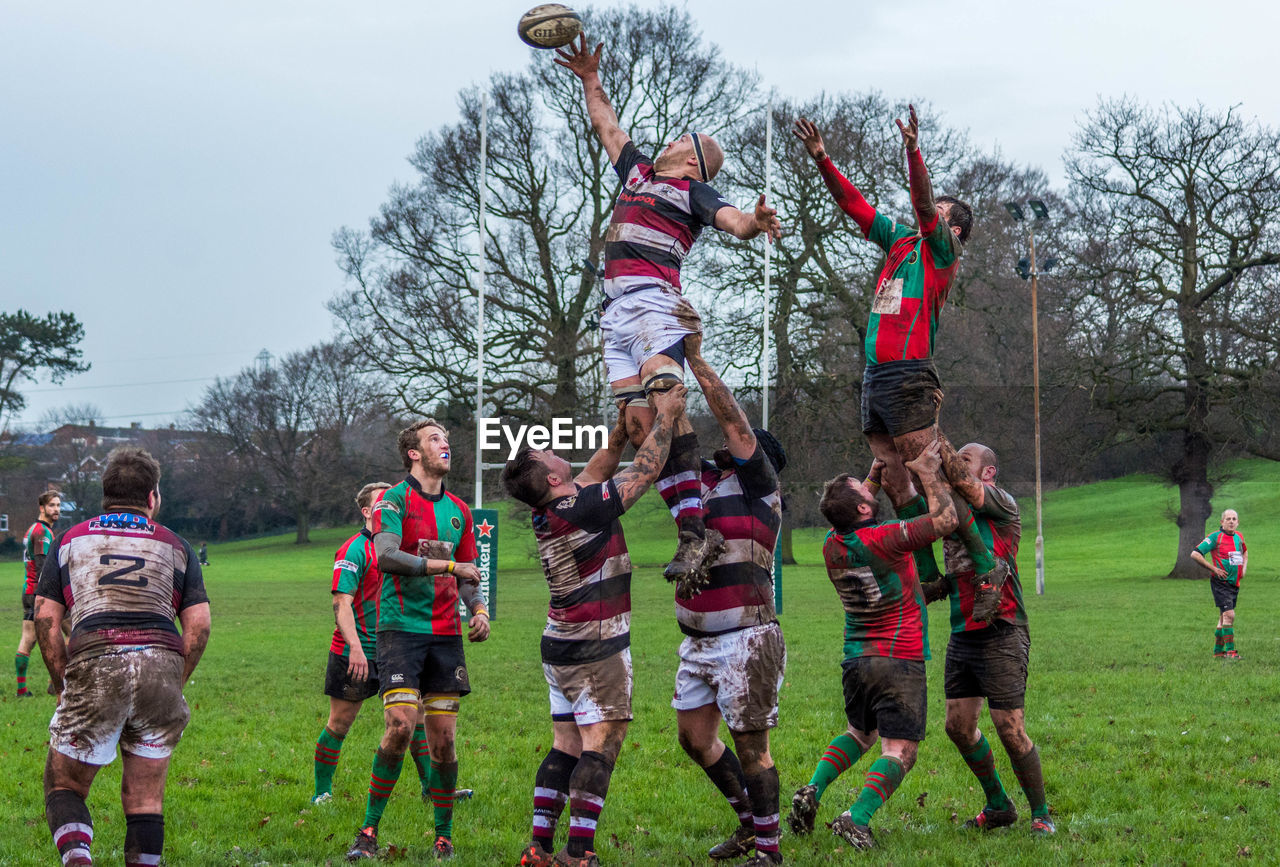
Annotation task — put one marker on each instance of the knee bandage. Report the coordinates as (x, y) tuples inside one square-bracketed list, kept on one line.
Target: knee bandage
[(665, 378), (440, 705), (400, 698), (628, 395)]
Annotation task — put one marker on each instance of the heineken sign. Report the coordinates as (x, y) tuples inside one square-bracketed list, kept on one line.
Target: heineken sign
[(484, 524)]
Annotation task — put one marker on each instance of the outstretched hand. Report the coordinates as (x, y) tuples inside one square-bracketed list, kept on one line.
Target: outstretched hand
[(910, 130), (808, 133), (767, 220), (578, 60)]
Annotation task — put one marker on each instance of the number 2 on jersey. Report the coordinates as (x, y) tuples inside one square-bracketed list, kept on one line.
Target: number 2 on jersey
[(117, 577)]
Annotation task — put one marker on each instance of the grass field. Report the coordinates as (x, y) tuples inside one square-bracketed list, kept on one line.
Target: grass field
[(1153, 751)]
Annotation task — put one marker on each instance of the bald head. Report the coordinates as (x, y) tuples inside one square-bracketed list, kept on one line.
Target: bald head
[(680, 159), (713, 155), (1230, 520), (981, 460)]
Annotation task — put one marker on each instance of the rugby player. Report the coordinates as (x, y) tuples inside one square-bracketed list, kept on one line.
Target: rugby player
[(35, 547), (989, 660), (122, 578), (1230, 558), (886, 642), (586, 645), (733, 655), (662, 208), (425, 548), (901, 393), (352, 673)]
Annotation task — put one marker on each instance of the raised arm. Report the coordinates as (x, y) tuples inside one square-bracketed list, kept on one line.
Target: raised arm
[(652, 454), (746, 226), (604, 120), (921, 189), (847, 196), (928, 468), (733, 421), (604, 463)]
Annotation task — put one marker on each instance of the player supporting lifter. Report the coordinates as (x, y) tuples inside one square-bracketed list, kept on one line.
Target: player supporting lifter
[(424, 544), (662, 208), (989, 660), (586, 645), (352, 673), (1230, 557), (35, 547), (123, 579), (886, 641), (901, 392), (733, 656)]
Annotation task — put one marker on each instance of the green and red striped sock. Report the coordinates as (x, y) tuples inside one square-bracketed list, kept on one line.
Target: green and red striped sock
[(20, 662), (386, 770), (443, 783), (1228, 639), (1217, 641), (1030, 776), (840, 755), (983, 764), (882, 781), (328, 747), (421, 757)]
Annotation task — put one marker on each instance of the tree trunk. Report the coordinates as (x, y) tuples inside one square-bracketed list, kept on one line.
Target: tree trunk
[(784, 540), (1191, 474), (304, 528)]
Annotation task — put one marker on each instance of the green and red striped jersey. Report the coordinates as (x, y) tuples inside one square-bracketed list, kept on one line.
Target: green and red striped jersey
[(355, 572), (875, 575), (1228, 550), (36, 543), (438, 527), (1000, 527)]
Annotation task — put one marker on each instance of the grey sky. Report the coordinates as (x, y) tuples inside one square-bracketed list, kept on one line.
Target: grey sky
[(172, 172)]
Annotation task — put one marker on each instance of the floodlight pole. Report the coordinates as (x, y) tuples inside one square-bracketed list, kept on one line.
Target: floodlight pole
[(479, 278), (1035, 378), (764, 325)]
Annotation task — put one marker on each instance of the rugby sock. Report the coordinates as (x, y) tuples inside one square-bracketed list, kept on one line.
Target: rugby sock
[(1031, 778), (926, 563), (550, 793), (421, 756), (680, 484), (983, 560), (443, 782), (328, 746), (588, 786), (881, 782), (983, 764), (1228, 639), (143, 839), (386, 770), (20, 664), (840, 755), (71, 825), (726, 773), (762, 789), (1217, 645)]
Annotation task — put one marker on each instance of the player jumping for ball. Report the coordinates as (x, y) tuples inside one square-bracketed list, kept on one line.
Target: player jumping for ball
[(661, 209), (901, 392)]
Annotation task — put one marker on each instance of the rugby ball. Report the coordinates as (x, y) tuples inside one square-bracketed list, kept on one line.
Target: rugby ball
[(549, 26)]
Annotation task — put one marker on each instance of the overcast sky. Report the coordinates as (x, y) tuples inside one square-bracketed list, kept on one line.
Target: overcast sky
[(173, 172)]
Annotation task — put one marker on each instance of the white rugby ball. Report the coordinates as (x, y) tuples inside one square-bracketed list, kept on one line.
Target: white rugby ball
[(551, 25)]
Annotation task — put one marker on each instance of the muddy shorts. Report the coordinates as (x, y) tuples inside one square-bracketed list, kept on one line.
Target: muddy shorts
[(591, 692), (426, 663), (888, 695), (1224, 595), (989, 663), (740, 672), (132, 699), (28, 606), (338, 684), (899, 397), (642, 324)]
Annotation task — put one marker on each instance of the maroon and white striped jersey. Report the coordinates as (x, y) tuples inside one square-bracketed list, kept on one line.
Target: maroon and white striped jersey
[(655, 222), (123, 579), (584, 557)]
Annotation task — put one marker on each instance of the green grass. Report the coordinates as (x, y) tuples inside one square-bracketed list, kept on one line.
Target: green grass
[(1153, 751)]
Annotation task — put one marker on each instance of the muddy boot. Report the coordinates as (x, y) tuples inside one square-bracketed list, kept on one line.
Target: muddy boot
[(986, 592), (696, 580), (690, 550), (935, 591)]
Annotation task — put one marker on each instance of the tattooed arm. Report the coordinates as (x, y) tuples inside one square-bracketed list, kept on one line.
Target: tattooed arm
[(928, 468), (652, 454), (604, 463), (733, 421), (603, 118)]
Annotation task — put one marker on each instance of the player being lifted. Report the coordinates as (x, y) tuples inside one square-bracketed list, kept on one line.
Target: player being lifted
[(352, 673), (901, 392), (35, 547), (586, 645), (424, 544), (733, 655), (661, 209)]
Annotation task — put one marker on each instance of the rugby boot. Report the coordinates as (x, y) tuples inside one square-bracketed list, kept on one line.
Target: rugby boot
[(693, 582), (535, 856), (804, 810), (1042, 826), (694, 544), (26, 693), (564, 859), (1231, 654), (322, 800), (986, 592), (443, 849), (365, 845), (741, 842), (762, 859), (936, 591), (989, 819), (857, 836)]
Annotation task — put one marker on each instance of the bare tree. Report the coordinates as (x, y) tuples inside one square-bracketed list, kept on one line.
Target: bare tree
[(1173, 312)]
